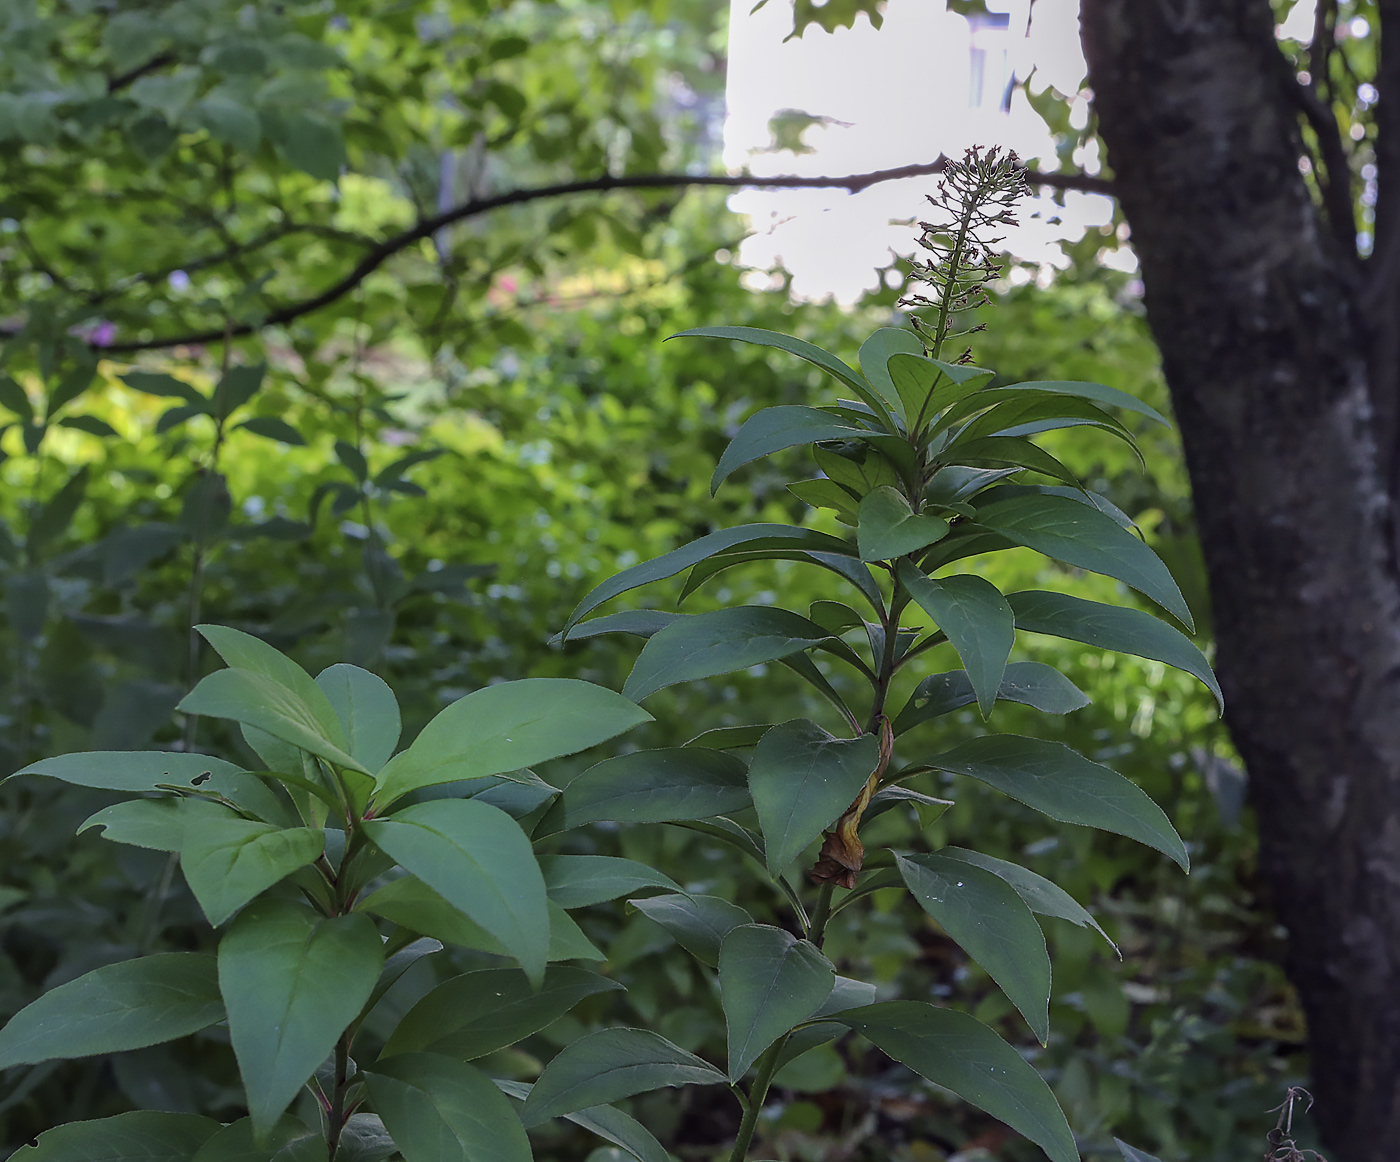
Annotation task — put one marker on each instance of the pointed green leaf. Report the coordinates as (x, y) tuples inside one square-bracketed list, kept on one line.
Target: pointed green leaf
[(441, 1110), (651, 786), (158, 824), (479, 860), (846, 993), (769, 981), (235, 1143), (479, 1012), (292, 982), (140, 1136), (610, 1064), (367, 711), (989, 921), (1015, 452), (719, 642), (698, 924), (271, 428), (505, 728), (607, 1122), (229, 861), (259, 701), (642, 622), (114, 1008), (576, 881), (131, 770), (1097, 392), (1086, 538), (826, 494), (1029, 683), (243, 651), (802, 779), (960, 1053), (1064, 785), (166, 386), (874, 357), (889, 528), (753, 536), (799, 347), (1022, 413), (1041, 895), (1112, 627), (913, 377), (977, 620), (776, 428)]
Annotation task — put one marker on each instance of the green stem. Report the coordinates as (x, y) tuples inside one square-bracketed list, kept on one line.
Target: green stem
[(337, 1116), (767, 1066), (817, 931)]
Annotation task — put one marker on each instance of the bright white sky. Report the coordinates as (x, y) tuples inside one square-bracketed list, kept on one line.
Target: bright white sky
[(897, 96)]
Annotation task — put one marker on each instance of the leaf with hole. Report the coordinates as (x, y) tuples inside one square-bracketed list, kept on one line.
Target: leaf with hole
[(1064, 785), (769, 982), (961, 1054), (802, 779), (115, 1008), (989, 921)]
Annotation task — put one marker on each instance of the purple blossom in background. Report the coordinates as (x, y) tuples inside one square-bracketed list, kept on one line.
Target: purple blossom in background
[(179, 281), (103, 334)]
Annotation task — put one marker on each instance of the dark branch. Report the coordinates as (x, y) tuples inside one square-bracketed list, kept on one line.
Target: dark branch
[(122, 80), (381, 252)]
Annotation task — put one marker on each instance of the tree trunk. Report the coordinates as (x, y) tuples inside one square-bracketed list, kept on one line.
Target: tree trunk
[(1285, 400)]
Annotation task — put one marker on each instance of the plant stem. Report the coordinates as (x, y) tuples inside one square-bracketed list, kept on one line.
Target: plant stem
[(767, 1066), (817, 932), (336, 1116)]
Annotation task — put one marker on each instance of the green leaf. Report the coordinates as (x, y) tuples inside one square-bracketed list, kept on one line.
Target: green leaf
[(271, 428), (166, 386), (1064, 785), (14, 397), (479, 1012), (114, 1008), (505, 728), (875, 354), (477, 858), (1029, 683), (133, 770), (961, 1054), (1021, 413), (261, 702), (229, 861), (367, 710), (577, 881), (651, 786), (802, 779), (1098, 393), (235, 1143), (607, 1122), (1133, 1155), (989, 921), (158, 824), (89, 424), (140, 1136), (913, 377), (292, 982), (719, 642), (1086, 538), (799, 347), (827, 494), (1111, 627), (642, 622), (440, 1110), (846, 993), (314, 145), (610, 1064), (1041, 895), (698, 924), (1015, 452), (889, 528), (769, 981), (776, 428), (231, 122), (977, 620), (752, 536), (243, 651)]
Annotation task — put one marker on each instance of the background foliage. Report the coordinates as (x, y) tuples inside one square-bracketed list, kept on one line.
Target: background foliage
[(424, 475)]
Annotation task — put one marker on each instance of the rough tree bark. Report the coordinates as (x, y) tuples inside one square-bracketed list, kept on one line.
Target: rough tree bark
[(1282, 369)]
